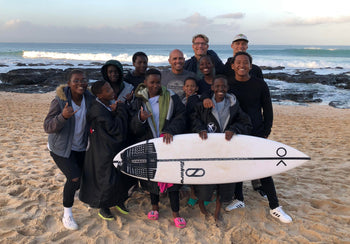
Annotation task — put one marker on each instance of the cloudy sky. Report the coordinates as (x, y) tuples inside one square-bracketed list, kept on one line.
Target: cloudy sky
[(304, 22)]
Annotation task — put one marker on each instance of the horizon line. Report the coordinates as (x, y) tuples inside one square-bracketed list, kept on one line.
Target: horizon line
[(110, 43)]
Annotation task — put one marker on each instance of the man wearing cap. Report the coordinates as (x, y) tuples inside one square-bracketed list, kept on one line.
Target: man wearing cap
[(240, 44), (200, 48)]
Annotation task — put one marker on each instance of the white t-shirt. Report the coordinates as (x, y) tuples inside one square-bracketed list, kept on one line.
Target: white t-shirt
[(223, 111), (80, 124), (154, 101)]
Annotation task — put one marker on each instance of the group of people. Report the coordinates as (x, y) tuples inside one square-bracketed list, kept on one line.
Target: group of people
[(200, 95)]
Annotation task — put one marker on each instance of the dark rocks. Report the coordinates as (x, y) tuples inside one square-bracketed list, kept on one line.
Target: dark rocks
[(339, 80), (37, 64), (272, 68), (161, 68), (295, 96), (28, 76), (41, 80), (43, 76), (339, 104)]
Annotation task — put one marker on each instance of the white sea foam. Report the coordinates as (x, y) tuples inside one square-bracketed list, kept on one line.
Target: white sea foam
[(123, 57), (319, 48), (68, 56), (301, 63)]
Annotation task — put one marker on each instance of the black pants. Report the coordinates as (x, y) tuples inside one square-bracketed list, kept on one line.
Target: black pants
[(173, 197), (224, 191), (72, 168), (125, 183), (268, 187)]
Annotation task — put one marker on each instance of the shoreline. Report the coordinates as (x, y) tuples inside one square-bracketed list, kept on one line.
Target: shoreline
[(316, 194)]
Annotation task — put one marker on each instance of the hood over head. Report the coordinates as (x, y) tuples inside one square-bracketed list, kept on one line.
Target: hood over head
[(115, 63)]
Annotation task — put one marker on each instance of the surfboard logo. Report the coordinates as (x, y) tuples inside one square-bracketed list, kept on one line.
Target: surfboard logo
[(281, 152), (195, 172), (212, 128)]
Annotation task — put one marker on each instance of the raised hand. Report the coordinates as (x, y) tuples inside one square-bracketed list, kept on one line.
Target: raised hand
[(129, 96), (208, 103), (114, 106), (68, 111), (144, 114)]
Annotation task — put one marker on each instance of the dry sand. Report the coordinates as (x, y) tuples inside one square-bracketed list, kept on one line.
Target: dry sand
[(316, 195)]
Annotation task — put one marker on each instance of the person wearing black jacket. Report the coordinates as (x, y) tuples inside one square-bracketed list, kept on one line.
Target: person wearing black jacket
[(102, 184), (200, 47), (254, 97), (225, 117), (240, 44)]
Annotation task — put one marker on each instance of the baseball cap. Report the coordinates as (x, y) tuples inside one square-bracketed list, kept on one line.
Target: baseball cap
[(240, 37)]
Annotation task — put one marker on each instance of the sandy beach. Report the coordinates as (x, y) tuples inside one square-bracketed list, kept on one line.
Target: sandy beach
[(316, 195)]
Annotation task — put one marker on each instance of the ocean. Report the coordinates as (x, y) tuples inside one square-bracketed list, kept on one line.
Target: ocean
[(320, 59)]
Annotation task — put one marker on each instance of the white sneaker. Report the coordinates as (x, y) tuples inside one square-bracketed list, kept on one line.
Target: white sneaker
[(69, 223), (278, 213), (235, 204)]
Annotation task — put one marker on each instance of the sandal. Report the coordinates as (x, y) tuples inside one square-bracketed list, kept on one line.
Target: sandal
[(206, 203), (191, 202), (180, 222), (153, 215)]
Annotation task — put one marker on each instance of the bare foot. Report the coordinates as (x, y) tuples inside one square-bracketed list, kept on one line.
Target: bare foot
[(202, 207), (219, 221)]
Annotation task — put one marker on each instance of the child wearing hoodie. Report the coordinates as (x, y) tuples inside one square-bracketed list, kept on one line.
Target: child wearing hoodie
[(112, 72)]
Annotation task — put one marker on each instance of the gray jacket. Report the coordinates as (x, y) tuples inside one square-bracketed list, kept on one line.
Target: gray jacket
[(60, 130)]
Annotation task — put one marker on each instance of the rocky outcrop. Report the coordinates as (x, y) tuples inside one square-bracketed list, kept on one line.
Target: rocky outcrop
[(339, 80), (42, 76)]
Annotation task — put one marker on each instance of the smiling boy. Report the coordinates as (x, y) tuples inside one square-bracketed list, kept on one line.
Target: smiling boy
[(225, 117), (254, 97), (158, 112)]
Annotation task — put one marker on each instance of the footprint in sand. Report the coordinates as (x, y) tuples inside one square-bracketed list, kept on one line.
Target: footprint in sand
[(17, 191), (51, 223), (330, 206)]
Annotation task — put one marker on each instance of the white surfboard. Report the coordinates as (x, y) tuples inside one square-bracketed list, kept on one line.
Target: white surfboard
[(191, 160)]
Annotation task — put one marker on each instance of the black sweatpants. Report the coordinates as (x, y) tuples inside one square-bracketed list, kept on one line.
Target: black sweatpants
[(173, 197), (72, 168), (267, 186)]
